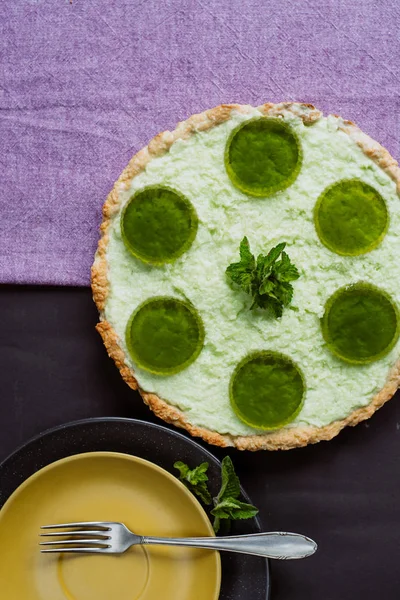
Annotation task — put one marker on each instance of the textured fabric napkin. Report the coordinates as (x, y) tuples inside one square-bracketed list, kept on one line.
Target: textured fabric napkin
[(86, 83)]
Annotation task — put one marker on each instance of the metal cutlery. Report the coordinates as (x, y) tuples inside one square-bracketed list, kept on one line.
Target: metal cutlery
[(115, 538)]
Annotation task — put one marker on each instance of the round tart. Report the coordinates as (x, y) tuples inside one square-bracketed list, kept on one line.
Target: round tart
[(302, 338)]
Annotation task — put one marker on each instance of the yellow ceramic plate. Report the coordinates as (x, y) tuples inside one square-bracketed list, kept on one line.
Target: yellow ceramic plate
[(105, 486)]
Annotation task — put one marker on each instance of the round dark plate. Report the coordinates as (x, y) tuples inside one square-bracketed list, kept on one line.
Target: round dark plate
[(243, 577)]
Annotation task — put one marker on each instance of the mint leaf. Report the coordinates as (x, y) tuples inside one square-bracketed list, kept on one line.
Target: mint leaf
[(195, 479), (234, 509), (241, 273), (267, 280), (182, 468), (285, 270), (265, 263), (230, 486), (226, 505), (217, 523), (283, 292), (266, 287)]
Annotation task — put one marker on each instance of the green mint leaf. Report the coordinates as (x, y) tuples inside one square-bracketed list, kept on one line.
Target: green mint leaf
[(284, 270), (216, 524), (198, 474), (242, 273), (265, 264), (267, 280), (274, 253), (267, 287), (257, 302), (231, 508), (182, 468), (230, 487), (276, 307), (227, 506), (219, 515), (195, 479), (284, 293), (203, 493), (246, 256)]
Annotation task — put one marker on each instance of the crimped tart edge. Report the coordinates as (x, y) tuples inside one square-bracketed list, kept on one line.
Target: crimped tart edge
[(281, 439)]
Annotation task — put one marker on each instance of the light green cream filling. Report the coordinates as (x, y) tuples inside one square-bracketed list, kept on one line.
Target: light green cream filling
[(196, 168)]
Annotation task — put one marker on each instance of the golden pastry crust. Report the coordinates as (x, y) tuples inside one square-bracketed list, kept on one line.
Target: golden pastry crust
[(282, 439)]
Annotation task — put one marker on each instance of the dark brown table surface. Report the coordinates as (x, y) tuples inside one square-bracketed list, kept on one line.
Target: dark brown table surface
[(345, 493)]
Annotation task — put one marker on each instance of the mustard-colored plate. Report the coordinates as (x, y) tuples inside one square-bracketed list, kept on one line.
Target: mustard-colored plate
[(105, 486)]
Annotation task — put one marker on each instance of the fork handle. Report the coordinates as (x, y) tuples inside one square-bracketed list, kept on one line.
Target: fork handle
[(277, 544)]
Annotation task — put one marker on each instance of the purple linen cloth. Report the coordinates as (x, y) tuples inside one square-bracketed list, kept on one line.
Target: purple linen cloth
[(86, 83)]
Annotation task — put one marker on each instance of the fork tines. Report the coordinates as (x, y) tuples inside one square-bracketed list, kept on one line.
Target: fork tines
[(87, 536)]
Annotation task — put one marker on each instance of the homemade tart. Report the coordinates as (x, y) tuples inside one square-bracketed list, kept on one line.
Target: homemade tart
[(184, 335)]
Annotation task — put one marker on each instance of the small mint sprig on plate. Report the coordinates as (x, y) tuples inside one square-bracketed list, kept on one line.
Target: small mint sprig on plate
[(195, 480), (266, 279), (227, 506)]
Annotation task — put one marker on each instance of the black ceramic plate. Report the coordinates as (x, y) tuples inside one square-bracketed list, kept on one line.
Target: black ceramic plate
[(243, 577)]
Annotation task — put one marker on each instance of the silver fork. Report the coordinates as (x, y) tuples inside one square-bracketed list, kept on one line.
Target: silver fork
[(114, 538)]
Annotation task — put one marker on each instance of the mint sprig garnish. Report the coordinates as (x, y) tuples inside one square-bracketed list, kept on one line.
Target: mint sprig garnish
[(266, 279), (227, 506), (195, 479)]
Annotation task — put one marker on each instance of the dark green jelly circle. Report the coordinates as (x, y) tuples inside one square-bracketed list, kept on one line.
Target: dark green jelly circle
[(164, 335), (351, 217), (158, 225), (263, 156), (266, 390), (360, 324)]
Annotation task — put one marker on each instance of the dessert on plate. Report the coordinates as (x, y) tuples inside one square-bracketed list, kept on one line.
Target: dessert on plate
[(247, 275)]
